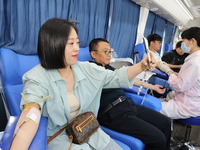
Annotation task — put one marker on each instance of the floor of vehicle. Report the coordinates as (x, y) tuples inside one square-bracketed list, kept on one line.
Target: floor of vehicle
[(179, 132)]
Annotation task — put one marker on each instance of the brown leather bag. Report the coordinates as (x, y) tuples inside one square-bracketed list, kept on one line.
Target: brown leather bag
[(80, 128)]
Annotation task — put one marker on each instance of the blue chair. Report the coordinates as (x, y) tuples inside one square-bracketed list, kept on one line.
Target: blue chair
[(139, 51), (159, 77), (185, 144), (149, 101), (168, 47), (12, 68)]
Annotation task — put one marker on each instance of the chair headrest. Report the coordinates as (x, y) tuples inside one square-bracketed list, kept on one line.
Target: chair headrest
[(168, 47), (140, 49), (84, 54), (14, 65)]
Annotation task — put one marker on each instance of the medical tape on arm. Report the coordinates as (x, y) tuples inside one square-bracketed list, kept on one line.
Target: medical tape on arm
[(34, 114)]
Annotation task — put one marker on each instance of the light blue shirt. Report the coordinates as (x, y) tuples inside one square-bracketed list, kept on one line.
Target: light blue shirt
[(89, 81)]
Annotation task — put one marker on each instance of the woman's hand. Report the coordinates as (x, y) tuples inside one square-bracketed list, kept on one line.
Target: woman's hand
[(149, 64)]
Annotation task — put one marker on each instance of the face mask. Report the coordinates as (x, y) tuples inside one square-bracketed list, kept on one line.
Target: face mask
[(185, 48)]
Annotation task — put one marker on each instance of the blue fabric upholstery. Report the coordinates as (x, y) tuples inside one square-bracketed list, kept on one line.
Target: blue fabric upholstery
[(149, 101), (191, 121), (122, 145), (39, 141), (12, 86), (160, 77), (134, 90), (133, 143), (84, 54), (12, 68), (168, 47), (140, 49)]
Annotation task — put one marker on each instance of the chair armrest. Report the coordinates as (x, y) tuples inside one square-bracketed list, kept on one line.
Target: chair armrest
[(148, 101), (134, 90), (160, 74), (122, 145), (132, 142), (39, 141)]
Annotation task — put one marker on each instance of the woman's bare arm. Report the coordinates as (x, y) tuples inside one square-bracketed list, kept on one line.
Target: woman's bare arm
[(26, 128)]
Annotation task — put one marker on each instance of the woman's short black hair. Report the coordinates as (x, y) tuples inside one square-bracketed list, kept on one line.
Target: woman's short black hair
[(52, 39), (193, 32)]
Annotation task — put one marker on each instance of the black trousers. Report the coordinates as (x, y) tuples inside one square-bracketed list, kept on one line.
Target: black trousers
[(151, 127)]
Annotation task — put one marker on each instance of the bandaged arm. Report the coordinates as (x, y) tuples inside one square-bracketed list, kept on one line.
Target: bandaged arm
[(26, 128)]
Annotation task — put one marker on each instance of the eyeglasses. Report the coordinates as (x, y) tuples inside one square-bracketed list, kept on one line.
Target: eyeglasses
[(106, 52)]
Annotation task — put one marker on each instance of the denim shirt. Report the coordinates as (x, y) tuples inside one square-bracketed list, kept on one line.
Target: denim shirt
[(89, 81)]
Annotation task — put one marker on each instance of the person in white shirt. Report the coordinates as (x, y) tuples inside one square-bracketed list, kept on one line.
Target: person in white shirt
[(154, 41)]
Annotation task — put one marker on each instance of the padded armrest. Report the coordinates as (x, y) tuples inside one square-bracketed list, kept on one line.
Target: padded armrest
[(39, 141), (160, 74), (149, 101), (132, 142), (134, 90), (122, 145)]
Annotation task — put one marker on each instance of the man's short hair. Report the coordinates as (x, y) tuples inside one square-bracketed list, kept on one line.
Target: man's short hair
[(52, 39), (178, 44), (153, 38), (94, 43)]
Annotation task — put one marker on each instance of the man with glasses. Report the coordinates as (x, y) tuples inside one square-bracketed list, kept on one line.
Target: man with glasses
[(122, 114)]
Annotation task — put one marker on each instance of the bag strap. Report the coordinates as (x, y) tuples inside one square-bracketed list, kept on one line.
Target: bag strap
[(57, 133)]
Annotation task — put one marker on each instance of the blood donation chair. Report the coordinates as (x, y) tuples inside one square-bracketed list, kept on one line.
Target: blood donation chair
[(14, 65), (159, 77), (142, 99)]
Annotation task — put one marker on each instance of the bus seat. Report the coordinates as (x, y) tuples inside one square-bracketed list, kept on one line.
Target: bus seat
[(12, 68), (39, 141), (139, 51), (168, 47), (149, 101), (159, 77), (186, 143)]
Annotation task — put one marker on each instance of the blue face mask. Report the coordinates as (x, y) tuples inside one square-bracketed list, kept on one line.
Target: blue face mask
[(185, 48)]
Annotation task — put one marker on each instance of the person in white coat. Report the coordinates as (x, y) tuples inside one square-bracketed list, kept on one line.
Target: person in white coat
[(185, 101)]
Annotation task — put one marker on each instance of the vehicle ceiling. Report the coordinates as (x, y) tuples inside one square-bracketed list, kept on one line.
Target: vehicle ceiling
[(173, 11)]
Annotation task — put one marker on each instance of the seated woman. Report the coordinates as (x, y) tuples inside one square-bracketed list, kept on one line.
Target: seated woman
[(185, 101), (65, 88)]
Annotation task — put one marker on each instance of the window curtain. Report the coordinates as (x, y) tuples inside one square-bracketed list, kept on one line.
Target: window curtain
[(159, 26), (170, 32), (149, 24), (93, 16), (123, 28), (20, 21)]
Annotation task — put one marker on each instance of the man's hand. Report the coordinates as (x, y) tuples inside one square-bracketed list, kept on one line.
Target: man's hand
[(159, 88)]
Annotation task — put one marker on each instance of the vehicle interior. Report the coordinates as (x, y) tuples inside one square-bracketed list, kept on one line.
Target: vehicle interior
[(124, 23)]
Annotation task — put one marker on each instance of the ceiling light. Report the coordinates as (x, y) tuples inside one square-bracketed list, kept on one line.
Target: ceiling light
[(164, 13), (143, 3), (154, 9), (185, 9)]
